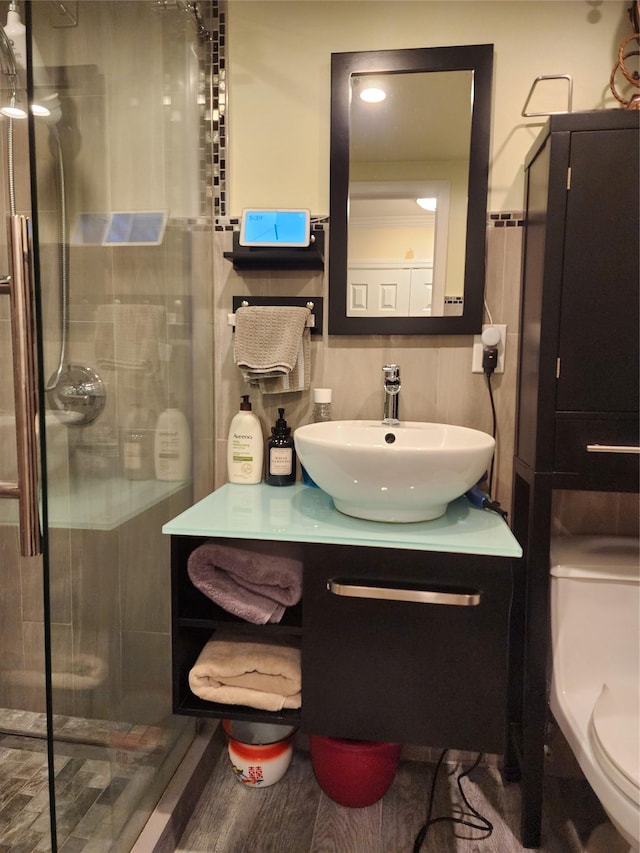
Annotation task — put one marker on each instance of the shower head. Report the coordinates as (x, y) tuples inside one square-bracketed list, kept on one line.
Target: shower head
[(14, 108), (13, 48)]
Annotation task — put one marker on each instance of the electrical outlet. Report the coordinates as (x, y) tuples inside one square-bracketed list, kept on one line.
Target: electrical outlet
[(478, 347)]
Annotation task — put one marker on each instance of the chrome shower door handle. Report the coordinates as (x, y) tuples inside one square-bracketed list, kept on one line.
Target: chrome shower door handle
[(20, 288), (455, 598)]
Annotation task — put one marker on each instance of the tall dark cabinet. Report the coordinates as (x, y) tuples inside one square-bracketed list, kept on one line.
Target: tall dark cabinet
[(577, 410)]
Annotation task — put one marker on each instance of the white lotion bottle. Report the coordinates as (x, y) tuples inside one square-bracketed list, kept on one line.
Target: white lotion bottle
[(245, 446), (172, 446)]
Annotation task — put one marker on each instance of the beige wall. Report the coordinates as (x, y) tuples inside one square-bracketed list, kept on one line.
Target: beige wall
[(279, 54), (279, 65)]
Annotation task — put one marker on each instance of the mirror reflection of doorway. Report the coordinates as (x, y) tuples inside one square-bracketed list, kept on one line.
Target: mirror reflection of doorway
[(397, 248)]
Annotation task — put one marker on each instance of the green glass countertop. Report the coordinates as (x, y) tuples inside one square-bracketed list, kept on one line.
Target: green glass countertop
[(301, 513)]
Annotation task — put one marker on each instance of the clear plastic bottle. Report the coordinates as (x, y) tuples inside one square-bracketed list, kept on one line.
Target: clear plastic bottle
[(137, 443), (321, 405), (321, 412)]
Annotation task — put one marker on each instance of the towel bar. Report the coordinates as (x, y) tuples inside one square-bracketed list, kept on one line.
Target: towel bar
[(314, 321)]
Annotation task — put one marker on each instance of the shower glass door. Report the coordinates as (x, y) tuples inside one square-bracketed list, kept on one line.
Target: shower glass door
[(110, 180)]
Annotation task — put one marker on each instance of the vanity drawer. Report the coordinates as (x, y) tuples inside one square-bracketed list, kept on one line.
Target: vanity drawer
[(600, 450), (381, 660)]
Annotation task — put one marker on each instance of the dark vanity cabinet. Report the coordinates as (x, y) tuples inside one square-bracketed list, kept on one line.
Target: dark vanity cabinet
[(403, 629), (577, 411), (384, 661)]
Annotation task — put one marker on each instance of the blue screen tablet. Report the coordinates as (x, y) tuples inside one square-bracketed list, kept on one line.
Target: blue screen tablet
[(269, 227)]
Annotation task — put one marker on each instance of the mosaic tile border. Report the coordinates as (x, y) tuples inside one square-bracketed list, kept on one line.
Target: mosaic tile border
[(508, 219), (214, 125), (505, 219), (232, 223)]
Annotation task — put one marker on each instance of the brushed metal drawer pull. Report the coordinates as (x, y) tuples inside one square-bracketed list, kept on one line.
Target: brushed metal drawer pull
[(390, 593), (612, 448)]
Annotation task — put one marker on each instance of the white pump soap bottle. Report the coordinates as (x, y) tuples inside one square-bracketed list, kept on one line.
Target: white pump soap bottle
[(245, 446)]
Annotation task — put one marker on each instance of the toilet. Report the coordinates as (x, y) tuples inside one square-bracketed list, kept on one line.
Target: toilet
[(595, 685)]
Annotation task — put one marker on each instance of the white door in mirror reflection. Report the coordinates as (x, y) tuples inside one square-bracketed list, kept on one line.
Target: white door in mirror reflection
[(393, 233), (397, 292)]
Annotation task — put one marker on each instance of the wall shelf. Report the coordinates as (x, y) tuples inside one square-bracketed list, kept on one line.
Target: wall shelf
[(247, 258)]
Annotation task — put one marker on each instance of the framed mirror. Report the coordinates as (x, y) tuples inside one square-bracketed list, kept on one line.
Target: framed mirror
[(408, 186)]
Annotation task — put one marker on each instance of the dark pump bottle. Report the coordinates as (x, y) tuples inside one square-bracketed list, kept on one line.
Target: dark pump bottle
[(281, 454)]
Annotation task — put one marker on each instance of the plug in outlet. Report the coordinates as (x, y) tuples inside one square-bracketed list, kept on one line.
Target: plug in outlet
[(478, 347)]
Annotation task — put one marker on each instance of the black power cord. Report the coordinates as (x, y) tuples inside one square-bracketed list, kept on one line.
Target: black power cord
[(489, 364), (474, 820)]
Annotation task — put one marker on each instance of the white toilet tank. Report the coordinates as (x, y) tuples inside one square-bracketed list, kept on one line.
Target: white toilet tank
[(595, 610)]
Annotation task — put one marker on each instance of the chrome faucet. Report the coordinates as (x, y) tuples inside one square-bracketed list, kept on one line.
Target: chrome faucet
[(391, 393)]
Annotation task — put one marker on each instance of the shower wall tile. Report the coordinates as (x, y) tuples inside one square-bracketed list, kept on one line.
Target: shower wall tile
[(146, 677), (607, 513), (134, 113), (91, 271), (504, 261), (96, 613), (10, 601), (30, 579), (145, 574), (628, 515), (202, 364), (59, 581)]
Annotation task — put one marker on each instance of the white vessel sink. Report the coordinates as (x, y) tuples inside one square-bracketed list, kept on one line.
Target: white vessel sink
[(399, 473)]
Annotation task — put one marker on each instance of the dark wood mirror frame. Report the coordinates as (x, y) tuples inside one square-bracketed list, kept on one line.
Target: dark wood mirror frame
[(477, 58)]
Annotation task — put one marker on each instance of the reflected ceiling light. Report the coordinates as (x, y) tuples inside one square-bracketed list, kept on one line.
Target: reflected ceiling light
[(13, 51), (13, 109), (429, 204), (373, 95)]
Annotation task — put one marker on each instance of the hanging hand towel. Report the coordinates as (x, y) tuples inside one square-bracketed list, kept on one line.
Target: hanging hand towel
[(272, 347), (244, 673), (255, 586)]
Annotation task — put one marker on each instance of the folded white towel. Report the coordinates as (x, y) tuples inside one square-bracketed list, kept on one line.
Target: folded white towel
[(243, 673)]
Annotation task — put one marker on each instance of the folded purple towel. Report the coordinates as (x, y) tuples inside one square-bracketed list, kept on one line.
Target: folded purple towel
[(250, 584)]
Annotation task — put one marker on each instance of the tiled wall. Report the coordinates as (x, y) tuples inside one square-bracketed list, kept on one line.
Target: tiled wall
[(437, 383)]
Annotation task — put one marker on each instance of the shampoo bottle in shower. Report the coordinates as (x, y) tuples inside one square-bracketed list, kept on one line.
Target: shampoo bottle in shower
[(281, 454), (172, 446), (245, 446)]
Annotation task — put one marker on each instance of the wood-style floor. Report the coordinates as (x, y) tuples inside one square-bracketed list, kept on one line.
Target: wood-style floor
[(295, 816)]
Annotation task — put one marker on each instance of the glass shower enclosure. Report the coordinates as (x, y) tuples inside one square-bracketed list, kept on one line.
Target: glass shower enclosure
[(102, 201)]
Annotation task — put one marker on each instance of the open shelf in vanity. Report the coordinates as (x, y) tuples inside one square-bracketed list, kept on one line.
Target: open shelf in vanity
[(372, 668)]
